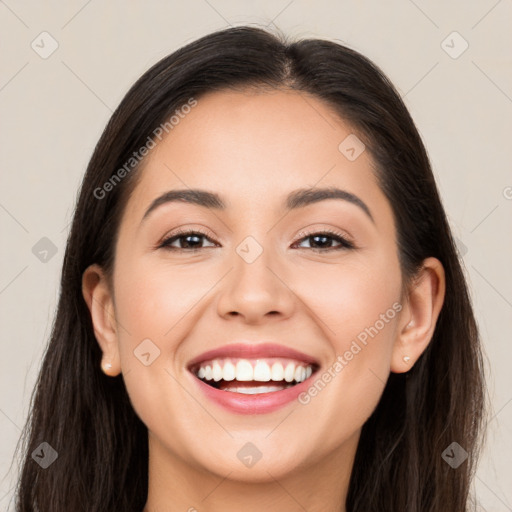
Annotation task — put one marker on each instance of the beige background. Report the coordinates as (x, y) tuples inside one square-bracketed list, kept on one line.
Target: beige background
[(53, 109)]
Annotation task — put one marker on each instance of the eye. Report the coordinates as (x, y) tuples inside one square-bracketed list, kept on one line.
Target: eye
[(324, 238), (191, 241)]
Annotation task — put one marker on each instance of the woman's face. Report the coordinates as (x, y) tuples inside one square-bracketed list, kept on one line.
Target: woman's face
[(258, 276)]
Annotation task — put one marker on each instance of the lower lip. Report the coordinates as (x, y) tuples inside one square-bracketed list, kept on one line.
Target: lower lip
[(252, 404)]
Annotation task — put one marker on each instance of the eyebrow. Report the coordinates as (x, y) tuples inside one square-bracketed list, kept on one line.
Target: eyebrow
[(296, 199)]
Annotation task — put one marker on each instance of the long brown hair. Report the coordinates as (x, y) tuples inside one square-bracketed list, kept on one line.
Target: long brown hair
[(87, 418)]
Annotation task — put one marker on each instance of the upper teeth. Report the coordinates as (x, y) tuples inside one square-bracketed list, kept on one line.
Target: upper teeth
[(257, 370)]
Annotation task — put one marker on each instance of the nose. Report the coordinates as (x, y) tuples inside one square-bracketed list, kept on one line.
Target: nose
[(257, 291)]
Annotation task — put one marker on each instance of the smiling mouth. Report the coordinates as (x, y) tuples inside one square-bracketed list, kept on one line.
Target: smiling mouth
[(253, 376)]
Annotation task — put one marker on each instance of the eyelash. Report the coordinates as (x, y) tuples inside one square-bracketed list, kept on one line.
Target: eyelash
[(338, 237)]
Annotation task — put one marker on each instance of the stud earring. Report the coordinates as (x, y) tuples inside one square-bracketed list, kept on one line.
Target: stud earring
[(406, 359), (107, 366)]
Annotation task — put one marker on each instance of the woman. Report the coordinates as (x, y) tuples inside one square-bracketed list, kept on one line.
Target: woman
[(261, 300)]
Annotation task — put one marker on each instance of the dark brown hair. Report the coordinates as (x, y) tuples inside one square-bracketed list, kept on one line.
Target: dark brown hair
[(87, 417)]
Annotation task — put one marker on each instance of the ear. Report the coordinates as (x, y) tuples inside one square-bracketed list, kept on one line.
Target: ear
[(99, 299), (419, 315)]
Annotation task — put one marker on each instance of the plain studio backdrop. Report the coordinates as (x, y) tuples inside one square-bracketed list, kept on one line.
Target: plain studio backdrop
[(65, 66)]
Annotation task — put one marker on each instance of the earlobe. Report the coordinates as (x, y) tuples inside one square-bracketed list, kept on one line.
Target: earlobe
[(419, 316), (99, 300)]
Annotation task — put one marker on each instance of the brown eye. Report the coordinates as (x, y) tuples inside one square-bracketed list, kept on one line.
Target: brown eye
[(191, 241), (322, 241), (188, 240)]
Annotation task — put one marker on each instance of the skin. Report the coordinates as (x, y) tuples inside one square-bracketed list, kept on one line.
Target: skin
[(253, 148)]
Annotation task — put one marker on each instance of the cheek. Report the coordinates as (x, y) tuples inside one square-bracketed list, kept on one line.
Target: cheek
[(152, 303), (358, 310), (151, 309), (152, 298), (350, 296)]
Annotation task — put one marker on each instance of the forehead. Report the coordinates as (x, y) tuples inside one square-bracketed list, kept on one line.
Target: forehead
[(253, 147)]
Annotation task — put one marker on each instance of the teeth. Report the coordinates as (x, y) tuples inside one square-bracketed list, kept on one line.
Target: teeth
[(229, 371), (289, 372), (277, 372), (217, 371), (256, 390), (245, 370), (262, 372)]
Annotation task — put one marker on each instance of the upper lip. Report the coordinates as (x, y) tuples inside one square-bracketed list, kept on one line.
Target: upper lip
[(253, 351)]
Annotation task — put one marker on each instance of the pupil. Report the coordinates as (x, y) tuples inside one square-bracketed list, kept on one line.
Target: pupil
[(197, 238), (321, 237)]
